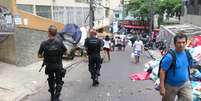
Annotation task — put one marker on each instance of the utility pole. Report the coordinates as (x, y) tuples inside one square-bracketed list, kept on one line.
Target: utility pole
[(123, 8), (151, 17), (91, 13)]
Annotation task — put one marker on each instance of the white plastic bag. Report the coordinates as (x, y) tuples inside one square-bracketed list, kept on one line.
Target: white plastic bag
[(132, 55)]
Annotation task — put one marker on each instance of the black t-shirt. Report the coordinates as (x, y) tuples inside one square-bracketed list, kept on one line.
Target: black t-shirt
[(93, 45), (52, 50)]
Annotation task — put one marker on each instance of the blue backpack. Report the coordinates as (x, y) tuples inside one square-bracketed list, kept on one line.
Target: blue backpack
[(173, 65)]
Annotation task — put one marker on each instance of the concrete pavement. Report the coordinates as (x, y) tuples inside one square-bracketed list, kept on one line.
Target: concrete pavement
[(19, 82), (115, 84), (155, 53)]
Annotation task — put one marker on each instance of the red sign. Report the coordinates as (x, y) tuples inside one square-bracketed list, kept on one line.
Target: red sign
[(137, 24)]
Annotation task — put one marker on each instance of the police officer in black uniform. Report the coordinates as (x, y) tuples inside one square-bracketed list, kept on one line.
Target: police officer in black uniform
[(52, 50), (93, 46)]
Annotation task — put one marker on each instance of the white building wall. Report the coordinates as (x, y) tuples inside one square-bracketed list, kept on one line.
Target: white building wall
[(191, 19), (71, 3), (69, 11)]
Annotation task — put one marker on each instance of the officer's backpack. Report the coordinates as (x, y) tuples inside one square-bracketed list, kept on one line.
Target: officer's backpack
[(53, 52), (173, 64), (94, 43)]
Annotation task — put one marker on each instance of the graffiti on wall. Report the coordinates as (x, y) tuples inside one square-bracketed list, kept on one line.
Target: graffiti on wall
[(6, 23), (6, 20)]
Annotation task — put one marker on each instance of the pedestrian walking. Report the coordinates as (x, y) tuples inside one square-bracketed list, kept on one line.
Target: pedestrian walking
[(113, 44), (93, 46), (175, 72), (138, 48), (119, 43), (124, 43), (52, 50), (107, 46)]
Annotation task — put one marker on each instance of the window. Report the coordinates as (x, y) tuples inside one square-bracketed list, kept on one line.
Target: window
[(28, 8), (107, 12), (199, 2), (116, 15), (78, 0), (44, 11), (191, 2), (82, 1)]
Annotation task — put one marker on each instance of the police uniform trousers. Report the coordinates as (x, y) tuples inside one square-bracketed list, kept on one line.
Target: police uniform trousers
[(54, 79), (94, 65)]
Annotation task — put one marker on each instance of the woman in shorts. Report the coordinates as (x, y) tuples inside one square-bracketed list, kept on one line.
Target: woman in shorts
[(107, 46)]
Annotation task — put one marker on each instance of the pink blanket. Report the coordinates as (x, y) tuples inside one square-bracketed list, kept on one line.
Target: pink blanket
[(140, 76)]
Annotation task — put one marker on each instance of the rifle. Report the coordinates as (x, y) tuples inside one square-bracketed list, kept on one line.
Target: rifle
[(42, 66)]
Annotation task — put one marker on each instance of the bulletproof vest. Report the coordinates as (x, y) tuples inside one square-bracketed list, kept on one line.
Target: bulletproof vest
[(53, 52), (94, 46)]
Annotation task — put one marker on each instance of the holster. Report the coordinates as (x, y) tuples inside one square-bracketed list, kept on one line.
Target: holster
[(63, 72)]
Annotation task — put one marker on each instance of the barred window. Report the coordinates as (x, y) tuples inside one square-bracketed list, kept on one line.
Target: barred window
[(107, 12), (116, 15), (43, 11), (82, 1), (28, 8)]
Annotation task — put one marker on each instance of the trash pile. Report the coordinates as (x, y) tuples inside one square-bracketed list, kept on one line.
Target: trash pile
[(153, 66)]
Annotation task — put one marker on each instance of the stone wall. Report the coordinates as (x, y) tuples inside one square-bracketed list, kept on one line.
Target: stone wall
[(7, 50), (27, 45)]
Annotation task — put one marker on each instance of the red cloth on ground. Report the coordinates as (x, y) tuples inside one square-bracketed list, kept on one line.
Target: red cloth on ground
[(140, 76)]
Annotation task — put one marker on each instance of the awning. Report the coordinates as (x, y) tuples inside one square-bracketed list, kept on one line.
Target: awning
[(136, 27)]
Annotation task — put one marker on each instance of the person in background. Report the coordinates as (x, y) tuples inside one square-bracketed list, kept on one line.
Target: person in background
[(176, 82), (138, 48), (93, 46), (124, 43), (52, 51), (113, 44), (119, 43), (107, 46)]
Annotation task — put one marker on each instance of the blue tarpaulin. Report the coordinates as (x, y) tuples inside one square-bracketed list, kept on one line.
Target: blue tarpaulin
[(74, 31)]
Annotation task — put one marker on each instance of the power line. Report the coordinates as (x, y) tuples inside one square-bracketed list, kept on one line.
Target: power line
[(104, 6)]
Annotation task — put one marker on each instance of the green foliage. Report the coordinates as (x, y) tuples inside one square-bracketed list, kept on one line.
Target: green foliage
[(138, 8), (142, 7)]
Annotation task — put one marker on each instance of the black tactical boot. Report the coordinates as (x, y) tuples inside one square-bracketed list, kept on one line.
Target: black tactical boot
[(95, 81), (98, 72), (52, 96), (58, 92), (51, 84)]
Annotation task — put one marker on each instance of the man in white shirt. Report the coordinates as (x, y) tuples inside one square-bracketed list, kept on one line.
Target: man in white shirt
[(138, 47)]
